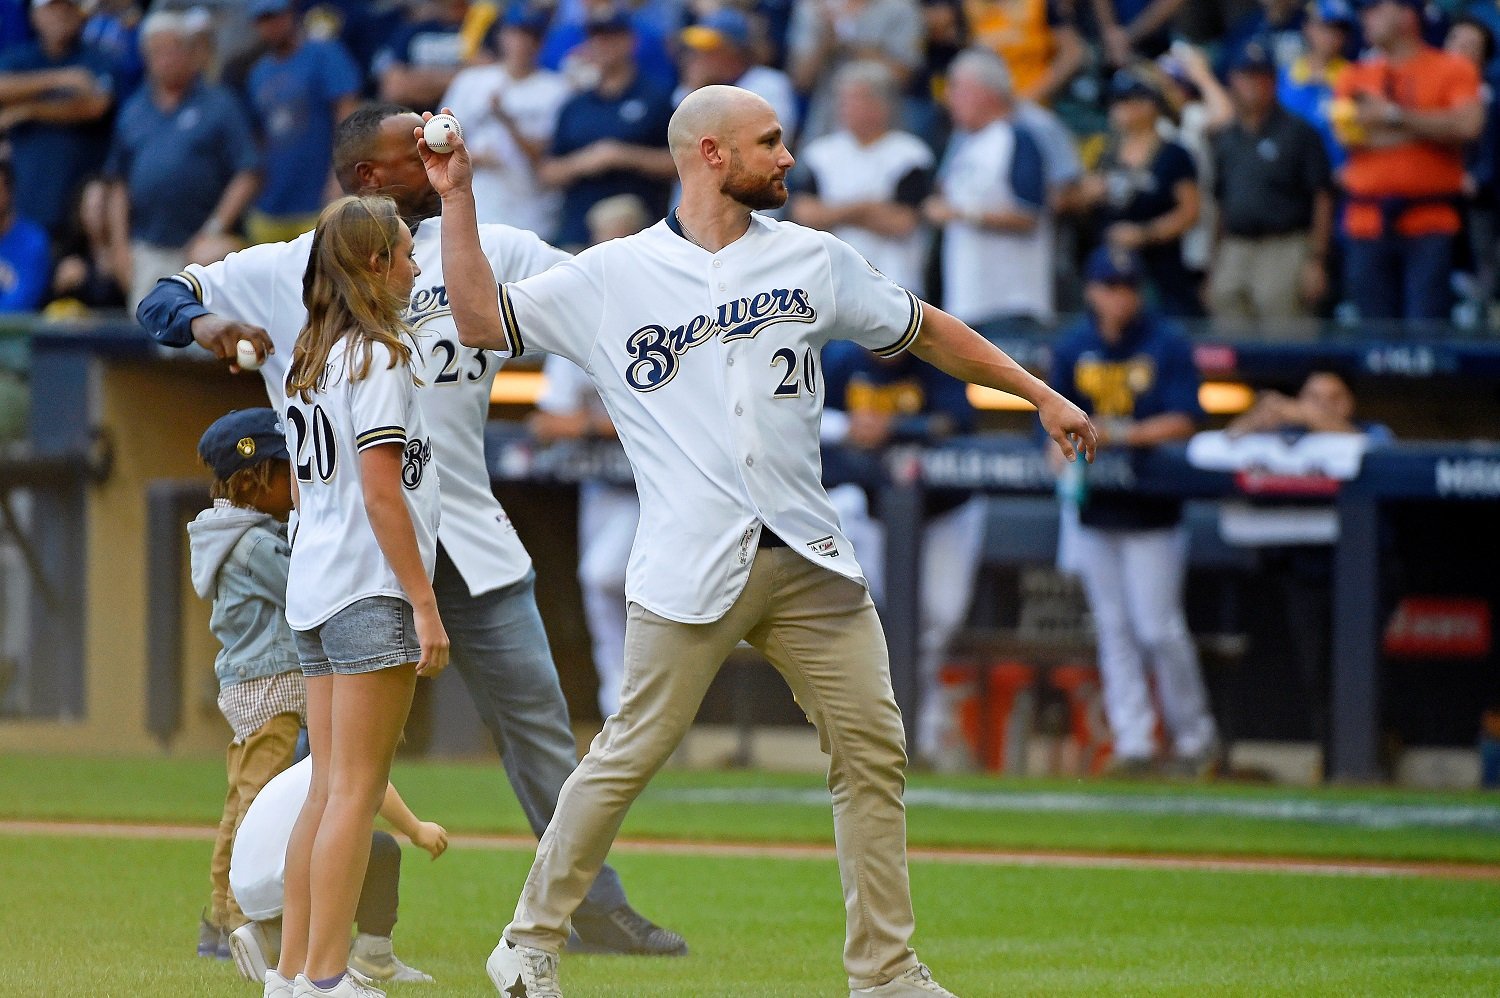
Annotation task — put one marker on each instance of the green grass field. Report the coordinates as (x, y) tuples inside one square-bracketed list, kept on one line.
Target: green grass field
[(116, 916)]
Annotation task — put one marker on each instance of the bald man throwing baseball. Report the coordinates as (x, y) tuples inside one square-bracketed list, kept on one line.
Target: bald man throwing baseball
[(702, 335)]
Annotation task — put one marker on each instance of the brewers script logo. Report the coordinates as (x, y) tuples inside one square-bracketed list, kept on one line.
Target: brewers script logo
[(427, 303), (656, 349)]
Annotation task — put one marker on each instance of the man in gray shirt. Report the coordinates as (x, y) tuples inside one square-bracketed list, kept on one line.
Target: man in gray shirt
[(1275, 200)]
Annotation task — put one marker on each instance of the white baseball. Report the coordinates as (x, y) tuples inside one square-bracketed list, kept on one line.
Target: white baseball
[(438, 130), (245, 356)]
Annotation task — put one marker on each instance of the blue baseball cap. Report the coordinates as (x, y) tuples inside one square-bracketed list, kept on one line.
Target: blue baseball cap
[(1112, 265), (267, 8), (1333, 12), (726, 26), (1253, 58), (527, 17), (1125, 85), (241, 440), (601, 20)]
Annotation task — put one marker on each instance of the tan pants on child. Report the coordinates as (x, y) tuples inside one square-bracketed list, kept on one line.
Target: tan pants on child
[(822, 634), (251, 764)]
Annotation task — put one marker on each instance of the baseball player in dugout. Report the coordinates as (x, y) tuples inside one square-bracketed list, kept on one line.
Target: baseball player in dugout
[(702, 334), (484, 581)]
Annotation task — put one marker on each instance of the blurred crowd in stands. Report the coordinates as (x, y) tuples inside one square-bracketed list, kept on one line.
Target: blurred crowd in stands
[(1272, 162)]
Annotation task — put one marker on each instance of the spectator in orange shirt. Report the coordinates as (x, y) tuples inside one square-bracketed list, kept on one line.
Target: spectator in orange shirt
[(1038, 39), (1405, 113)]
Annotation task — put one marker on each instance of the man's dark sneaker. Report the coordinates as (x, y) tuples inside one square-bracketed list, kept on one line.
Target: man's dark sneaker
[(212, 940), (624, 931)]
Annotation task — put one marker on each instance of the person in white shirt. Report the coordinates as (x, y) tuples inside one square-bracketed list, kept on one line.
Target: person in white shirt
[(866, 182), (702, 335), (509, 110), (992, 204), (359, 593), (484, 580)]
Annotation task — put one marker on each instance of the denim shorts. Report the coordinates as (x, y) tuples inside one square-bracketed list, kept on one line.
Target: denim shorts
[(377, 632)]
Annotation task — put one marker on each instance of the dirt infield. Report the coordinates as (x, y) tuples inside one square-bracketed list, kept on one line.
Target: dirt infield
[(1292, 865)]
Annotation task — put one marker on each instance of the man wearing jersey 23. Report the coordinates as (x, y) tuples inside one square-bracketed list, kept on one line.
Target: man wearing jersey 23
[(702, 335), (484, 581)]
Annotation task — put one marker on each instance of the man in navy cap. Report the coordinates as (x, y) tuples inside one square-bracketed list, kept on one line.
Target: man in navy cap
[(611, 139), (1133, 372), (1274, 190)]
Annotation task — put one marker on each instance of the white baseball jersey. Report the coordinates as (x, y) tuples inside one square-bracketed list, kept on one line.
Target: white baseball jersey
[(257, 864), (508, 189), (708, 365), (976, 177), (262, 285), (336, 559), (845, 171)]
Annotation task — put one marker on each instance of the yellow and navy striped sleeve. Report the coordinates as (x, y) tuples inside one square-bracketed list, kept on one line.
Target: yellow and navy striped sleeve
[(509, 325), (913, 327), (380, 435)]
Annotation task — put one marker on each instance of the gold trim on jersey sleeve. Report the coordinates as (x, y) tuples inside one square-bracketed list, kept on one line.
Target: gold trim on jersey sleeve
[(194, 285), (380, 435), (509, 324), (913, 327)]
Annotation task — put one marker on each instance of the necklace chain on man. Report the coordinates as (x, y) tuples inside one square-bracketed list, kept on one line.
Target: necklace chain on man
[(686, 231)]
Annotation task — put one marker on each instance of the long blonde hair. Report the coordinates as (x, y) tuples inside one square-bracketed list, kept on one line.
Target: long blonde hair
[(346, 296)]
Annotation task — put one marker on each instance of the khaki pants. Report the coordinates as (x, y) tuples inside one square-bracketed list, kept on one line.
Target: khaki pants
[(251, 764), (822, 634), (149, 264), (1259, 278)]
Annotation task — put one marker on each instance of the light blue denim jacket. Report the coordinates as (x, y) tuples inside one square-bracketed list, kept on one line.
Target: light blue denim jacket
[(239, 559)]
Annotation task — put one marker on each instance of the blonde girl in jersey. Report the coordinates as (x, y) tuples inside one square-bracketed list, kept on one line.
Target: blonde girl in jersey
[(359, 590)]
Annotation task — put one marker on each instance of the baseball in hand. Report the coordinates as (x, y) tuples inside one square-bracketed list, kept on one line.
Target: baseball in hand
[(245, 356), (439, 130)]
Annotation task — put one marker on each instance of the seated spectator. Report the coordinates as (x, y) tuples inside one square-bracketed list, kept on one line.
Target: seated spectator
[(25, 256), (653, 22), (1471, 39), (872, 403), (1404, 112), (1038, 39), (509, 111), (1145, 195), (1305, 86), (84, 277), (257, 876), (720, 49), (1133, 373), (182, 168), (1131, 29), (1275, 202), (866, 182), (55, 96), (612, 138), (418, 64), (300, 89), (991, 204), (827, 34)]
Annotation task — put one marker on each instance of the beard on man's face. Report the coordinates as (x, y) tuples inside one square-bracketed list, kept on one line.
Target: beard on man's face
[(758, 193)]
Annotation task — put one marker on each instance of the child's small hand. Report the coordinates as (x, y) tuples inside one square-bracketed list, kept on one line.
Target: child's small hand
[(432, 837)]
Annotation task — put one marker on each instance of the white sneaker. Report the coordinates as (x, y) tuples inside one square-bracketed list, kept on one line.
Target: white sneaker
[(915, 983), (371, 959), (254, 951), (276, 986), (347, 987), (523, 971)]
